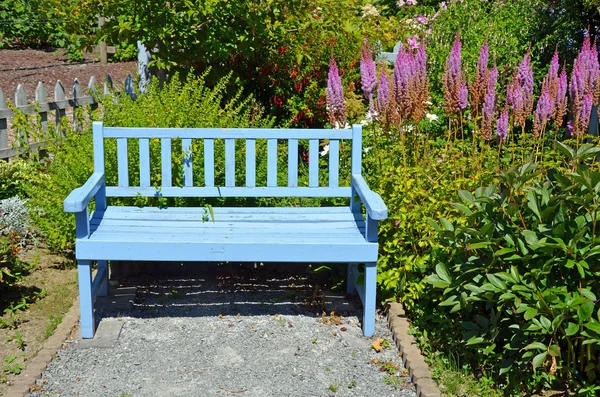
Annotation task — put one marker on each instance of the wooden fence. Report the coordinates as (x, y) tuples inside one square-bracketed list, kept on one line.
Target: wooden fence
[(62, 105)]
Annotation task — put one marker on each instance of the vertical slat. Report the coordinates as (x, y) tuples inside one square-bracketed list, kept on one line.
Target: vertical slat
[(272, 162), (356, 163), (86, 300), (3, 123), (108, 84), (372, 230), (41, 97), (370, 300), (229, 162), (209, 162), (293, 163), (144, 162), (123, 162), (21, 100), (334, 160), (82, 224), (186, 148), (165, 154), (98, 138), (250, 162), (313, 163), (59, 95), (76, 91), (352, 272)]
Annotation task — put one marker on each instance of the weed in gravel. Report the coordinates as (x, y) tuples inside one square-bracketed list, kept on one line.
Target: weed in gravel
[(333, 387), (11, 369), (332, 319), (327, 369), (352, 384), (314, 341)]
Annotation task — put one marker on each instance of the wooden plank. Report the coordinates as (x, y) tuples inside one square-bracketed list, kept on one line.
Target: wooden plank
[(334, 162), (293, 163), (187, 162), (118, 248), (250, 162), (42, 97), (3, 124), (244, 223), (59, 96), (32, 109), (98, 280), (112, 191), (369, 298), (313, 163), (271, 162), (216, 133), (166, 161), (122, 162), (209, 162), (76, 93), (254, 211), (356, 163), (21, 100), (97, 131), (86, 300), (103, 270), (144, 163), (229, 162)]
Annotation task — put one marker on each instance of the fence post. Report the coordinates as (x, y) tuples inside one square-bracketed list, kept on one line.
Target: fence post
[(59, 97), (21, 100), (92, 91), (102, 45), (76, 92), (3, 123), (41, 98)]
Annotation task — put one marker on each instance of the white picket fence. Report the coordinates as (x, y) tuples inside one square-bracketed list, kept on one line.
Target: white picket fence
[(59, 110)]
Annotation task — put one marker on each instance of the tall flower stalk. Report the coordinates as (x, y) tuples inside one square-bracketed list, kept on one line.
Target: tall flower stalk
[(368, 74), (336, 105), (454, 84), (584, 88), (478, 87)]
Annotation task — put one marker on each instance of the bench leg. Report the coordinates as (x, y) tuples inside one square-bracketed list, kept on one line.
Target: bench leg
[(369, 299), (351, 278), (88, 326), (103, 291)]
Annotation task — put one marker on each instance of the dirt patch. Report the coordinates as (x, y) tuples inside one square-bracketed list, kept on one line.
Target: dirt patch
[(28, 67), (23, 332)]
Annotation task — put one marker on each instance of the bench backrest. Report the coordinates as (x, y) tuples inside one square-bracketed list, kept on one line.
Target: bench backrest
[(207, 187)]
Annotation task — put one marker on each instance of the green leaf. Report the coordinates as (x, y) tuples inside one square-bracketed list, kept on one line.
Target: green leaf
[(447, 225), (470, 326), (466, 196), (530, 313), (530, 237), (475, 340), (539, 360), (593, 327), (532, 203), (504, 251), (442, 272), (572, 329), (554, 350), (565, 149), (536, 345), (496, 281), (585, 311), (463, 208)]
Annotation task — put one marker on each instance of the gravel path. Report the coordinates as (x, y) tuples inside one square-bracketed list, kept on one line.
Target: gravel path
[(229, 331)]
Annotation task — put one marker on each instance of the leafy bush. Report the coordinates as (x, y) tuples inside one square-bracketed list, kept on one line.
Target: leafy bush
[(14, 220), (14, 176), (521, 277)]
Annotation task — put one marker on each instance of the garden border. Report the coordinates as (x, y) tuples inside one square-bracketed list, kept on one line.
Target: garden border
[(412, 358), (51, 346)]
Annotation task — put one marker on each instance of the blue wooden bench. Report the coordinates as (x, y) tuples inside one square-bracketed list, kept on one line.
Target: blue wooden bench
[(318, 235)]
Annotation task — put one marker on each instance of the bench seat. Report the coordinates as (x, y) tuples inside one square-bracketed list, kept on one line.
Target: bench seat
[(263, 234)]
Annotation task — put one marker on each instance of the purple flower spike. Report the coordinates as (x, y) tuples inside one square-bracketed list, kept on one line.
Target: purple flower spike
[(336, 105), (583, 117), (383, 92), (502, 126), (560, 108), (455, 88), (543, 112), (525, 79), (489, 105), (368, 73), (584, 88)]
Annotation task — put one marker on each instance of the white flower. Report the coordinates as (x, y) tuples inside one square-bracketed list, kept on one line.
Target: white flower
[(432, 117), (366, 150), (325, 150), (369, 10), (428, 103), (347, 126)]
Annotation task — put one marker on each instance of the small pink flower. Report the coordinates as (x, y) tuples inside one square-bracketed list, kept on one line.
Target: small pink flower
[(423, 19), (413, 42)]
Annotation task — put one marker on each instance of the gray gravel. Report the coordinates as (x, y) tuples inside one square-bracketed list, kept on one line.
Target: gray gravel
[(231, 331)]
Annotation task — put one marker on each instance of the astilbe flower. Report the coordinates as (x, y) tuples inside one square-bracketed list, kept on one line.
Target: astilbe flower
[(561, 98), (383, 92), (543, 112), (584, 86), (409, 83), (489, 105), (336, 105), (453, 82), (368, 74), (520, 91), (480, 83), (502, 126), (552, 81)]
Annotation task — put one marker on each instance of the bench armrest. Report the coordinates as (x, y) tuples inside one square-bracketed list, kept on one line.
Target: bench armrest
[(79, 198), (376, 208)]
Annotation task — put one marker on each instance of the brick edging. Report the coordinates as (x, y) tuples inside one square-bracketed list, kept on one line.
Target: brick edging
[(51, 346), (412, 358)]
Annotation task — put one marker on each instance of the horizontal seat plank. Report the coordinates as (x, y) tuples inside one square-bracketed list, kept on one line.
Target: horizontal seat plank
[(260, 191), (226, 133)]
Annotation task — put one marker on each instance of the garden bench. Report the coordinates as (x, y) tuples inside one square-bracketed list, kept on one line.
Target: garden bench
[(336, 234)]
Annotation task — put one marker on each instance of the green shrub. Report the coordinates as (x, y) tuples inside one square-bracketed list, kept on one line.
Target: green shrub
[(520, 278), (14, 176)]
